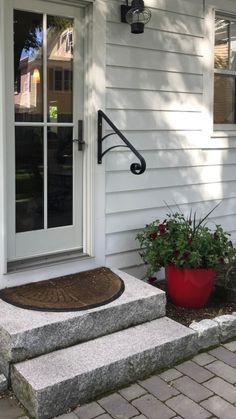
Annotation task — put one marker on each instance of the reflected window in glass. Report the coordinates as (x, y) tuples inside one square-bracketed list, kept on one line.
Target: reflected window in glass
[(60, 63)]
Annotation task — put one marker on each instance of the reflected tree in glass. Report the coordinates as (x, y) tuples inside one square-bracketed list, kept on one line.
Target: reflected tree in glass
[(29, 179), (28, 66)]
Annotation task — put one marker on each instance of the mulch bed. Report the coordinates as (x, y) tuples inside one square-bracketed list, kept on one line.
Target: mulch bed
[(216, 306)]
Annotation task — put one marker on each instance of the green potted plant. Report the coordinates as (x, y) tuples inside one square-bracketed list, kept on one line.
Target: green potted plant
[(189, 251)]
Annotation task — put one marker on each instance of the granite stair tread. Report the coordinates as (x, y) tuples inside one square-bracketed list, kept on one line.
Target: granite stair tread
[(50, 384)]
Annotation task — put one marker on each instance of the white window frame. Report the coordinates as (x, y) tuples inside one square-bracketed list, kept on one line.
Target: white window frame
[(213, 7), (227, 127)]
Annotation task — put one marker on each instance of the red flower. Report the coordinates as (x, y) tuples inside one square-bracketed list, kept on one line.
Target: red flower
[(153, 236), (162, 229), (222, 261), (190, 241), (186, 255), (152, 279), (176, 253)]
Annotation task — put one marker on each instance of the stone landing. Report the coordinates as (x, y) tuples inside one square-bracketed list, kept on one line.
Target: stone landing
[(26, 334)]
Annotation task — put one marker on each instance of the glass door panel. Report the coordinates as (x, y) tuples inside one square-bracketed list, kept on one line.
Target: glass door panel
[(60, 176), (28, 66), (60, 68), (29, 178), (48, 165)]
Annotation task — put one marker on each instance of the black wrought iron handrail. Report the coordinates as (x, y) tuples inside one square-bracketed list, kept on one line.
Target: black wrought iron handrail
[(136, 168)]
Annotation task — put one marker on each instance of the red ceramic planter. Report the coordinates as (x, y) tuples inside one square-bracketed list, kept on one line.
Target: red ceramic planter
[(190, 288)]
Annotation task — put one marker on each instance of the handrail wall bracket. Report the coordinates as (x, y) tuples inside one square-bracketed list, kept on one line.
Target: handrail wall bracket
[(135, 168)]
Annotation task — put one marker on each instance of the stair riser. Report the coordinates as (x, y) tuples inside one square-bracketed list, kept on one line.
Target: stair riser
[(5, 352), (3, 384), (54, 336), (55, 400)]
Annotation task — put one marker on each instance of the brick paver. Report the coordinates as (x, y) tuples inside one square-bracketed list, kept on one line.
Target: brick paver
[(224, 355), (222, 388), (132, 392), (193, 390), (202, 388), (231, 346), (194, 371), (204, 359), (223, 370), (220, 407), (89, 411), (170, 375), (187, 408), (117, 406), (153, 408), (158, 388), (9, 409)]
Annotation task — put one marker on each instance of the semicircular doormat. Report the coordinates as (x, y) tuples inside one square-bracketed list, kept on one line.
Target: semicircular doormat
[(80, 291)]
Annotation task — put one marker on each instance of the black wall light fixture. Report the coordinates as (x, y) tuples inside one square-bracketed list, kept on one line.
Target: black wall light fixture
[(137, 15)]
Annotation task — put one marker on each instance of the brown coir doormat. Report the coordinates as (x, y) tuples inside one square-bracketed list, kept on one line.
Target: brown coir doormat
[(79, 291)]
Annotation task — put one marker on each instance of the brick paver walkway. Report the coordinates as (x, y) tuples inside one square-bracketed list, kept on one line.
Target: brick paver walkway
[(202, 388)]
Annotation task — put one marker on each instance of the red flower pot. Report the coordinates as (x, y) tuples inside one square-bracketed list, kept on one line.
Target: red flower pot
[(189, 287)]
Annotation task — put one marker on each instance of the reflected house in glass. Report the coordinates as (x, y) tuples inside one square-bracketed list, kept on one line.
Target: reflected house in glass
[(40, 206), (29, 75)]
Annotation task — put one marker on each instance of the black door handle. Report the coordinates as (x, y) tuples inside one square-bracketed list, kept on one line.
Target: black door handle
[(80, 140)]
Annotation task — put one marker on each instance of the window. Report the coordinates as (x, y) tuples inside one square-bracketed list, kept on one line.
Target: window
[(67, 41), (225, 70), (67, 80), (62, 79)]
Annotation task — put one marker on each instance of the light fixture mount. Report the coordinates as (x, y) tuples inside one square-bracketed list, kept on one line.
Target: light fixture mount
[(136, 14)]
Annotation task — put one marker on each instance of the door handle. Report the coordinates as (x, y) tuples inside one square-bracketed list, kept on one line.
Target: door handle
[(80, 140)]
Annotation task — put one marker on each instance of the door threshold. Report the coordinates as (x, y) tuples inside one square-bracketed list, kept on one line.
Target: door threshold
[(45, 260)]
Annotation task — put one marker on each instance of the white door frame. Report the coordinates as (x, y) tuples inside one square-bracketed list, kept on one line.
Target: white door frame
[(94, 199)]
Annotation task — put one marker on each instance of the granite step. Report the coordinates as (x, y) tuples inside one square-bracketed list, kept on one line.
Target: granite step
[(50, 384), (25, 334), (3, 383)]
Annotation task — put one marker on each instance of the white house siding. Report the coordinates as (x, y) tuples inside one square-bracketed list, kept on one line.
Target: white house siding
[(157, 94)]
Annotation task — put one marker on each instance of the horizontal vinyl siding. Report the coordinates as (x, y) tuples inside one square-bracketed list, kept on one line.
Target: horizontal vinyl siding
[(122, 222), (175, 140), (144, 199), (132, 57), (152, 100), (154, 94), (148, 79), (118, 161)]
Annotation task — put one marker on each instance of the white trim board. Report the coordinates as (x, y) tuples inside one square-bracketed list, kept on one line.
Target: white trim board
[(3, 223), (226, 5)]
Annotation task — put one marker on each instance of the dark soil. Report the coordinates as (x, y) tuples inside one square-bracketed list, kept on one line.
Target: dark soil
[(216, 306)]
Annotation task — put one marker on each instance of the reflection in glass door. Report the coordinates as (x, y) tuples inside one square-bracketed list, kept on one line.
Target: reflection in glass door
[(48, 168)]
